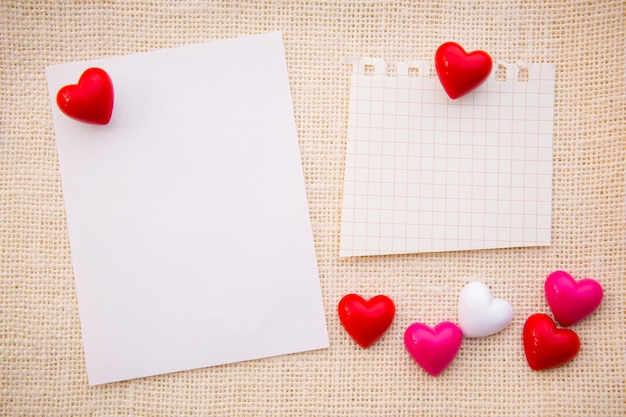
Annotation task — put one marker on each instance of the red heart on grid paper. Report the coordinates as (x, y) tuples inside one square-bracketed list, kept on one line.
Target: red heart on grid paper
[(460, 72), (366, 320), (571, 301), (91, 100), (545, 345)]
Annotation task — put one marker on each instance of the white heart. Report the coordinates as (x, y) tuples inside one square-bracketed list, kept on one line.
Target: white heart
[(480, 314)]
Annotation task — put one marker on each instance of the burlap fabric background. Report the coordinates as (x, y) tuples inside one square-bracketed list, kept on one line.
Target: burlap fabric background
[(43, 371)]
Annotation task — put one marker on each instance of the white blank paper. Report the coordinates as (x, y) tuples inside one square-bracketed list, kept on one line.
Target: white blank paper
[(187, 214), (425, 173)]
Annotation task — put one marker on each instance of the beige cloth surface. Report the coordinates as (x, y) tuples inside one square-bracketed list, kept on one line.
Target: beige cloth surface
[(42, 369)]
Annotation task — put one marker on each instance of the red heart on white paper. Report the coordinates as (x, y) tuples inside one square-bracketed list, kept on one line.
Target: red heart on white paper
[(91, 100)]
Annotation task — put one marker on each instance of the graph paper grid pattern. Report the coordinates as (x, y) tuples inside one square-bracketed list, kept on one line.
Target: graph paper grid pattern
[(425, 173)]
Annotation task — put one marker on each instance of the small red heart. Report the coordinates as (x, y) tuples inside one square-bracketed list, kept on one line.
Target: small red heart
[(545, 345), (366, 320), (91, 100), (460, 72)]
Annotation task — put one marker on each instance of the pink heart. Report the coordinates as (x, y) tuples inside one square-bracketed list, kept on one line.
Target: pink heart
[(571, 301), (433, 349)]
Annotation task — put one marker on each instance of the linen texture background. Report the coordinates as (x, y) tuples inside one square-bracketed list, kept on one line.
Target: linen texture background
[(42, 363)]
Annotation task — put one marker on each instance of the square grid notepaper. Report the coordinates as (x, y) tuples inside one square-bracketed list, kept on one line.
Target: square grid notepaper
[(425, 173)]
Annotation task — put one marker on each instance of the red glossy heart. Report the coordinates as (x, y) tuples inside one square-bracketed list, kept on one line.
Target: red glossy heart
[(366, 320), (460, 72), (545, 345), (91, 100)]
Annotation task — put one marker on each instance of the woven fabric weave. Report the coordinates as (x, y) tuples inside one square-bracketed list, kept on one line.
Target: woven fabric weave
[(43, 371)]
